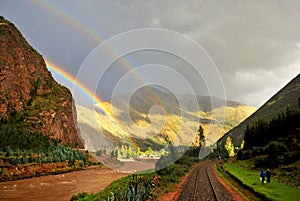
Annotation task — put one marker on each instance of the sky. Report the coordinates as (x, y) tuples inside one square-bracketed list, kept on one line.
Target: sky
[(250, 49)]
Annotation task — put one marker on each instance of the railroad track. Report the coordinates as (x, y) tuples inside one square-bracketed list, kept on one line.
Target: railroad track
[(211, 184), (203, 185)]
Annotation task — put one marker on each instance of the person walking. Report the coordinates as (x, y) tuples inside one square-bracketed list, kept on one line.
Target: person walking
[(262, 176), (268, 175)]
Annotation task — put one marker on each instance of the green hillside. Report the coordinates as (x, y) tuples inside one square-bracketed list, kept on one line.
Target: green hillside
[(287, 97)]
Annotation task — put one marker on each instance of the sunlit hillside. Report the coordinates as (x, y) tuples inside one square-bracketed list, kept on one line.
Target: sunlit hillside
[(143, 119)]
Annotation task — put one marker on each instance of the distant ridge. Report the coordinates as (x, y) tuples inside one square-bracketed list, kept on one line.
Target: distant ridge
[(287, 97)]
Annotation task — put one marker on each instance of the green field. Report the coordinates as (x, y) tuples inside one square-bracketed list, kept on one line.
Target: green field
[(273, 191)]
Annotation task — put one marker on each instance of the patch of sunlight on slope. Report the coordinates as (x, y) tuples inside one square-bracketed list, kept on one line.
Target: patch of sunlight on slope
[(212, 132), (234, 115), (180, 129), (95, 120), (239, 113)]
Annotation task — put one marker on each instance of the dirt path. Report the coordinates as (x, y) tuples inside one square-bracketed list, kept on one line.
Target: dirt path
[(58, 187)]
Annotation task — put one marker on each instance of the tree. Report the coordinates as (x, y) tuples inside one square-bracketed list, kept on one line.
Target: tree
[(242, 144), (200, 138), (199, 141), (138, 152), (129, 152), (229, 146), (149, 151), (276, 148), (112, 154), (123, 151), (173, 152)]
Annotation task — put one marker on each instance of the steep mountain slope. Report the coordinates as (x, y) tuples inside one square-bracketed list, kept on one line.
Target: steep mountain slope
[(29, 96), (152, 113), (287, 97)]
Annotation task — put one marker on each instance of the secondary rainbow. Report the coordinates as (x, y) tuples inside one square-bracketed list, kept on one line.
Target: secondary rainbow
[(60, 10)]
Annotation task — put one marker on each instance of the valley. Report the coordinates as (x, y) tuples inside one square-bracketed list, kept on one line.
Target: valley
[(134, 146), (140, 118)]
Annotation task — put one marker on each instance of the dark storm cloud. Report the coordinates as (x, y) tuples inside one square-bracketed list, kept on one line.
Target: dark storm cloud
[(255, 44)]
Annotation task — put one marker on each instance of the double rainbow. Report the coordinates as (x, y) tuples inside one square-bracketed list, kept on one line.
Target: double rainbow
[(60, 10)]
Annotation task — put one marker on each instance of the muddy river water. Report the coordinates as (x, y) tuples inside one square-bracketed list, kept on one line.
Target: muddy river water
[(59, 187)]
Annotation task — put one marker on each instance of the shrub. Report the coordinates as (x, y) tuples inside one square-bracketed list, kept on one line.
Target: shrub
[(243, 155), (30, 159), (78, 196), (276, 148), (24, 159), (260, 162), (8, 151), (37, 160), (185, 161), (172, 173), (14, 160)]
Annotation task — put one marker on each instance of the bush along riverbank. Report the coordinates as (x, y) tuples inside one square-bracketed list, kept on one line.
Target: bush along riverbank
[(146, 186), (25, 154)]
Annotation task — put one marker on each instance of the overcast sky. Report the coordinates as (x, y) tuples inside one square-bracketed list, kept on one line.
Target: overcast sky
[(254, 44)]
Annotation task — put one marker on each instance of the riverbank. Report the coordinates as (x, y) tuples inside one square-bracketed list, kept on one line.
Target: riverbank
[(59, 187)]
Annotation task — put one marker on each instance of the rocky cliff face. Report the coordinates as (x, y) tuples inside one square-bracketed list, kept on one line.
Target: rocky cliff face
[(29, 96)]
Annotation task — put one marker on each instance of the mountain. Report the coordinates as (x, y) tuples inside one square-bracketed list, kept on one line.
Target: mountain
[(152, 113), (287, 97), (29, 96)]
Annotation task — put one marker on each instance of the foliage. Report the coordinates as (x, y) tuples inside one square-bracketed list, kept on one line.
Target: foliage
[(22, 146), (262, 132), (170, 169), (229, 146), (132, 187), (141, 187), (219, 152), (78, 196), (276, 140), (127, 152), (18, 137), (198, 142), (172, 173), (185, 161)]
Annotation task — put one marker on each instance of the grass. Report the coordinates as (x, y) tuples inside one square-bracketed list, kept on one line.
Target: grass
[(234, 184), (273, 191)]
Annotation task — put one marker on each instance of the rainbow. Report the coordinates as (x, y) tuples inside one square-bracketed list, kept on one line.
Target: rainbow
[(54, 68), (69, 17), (61, 11)]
